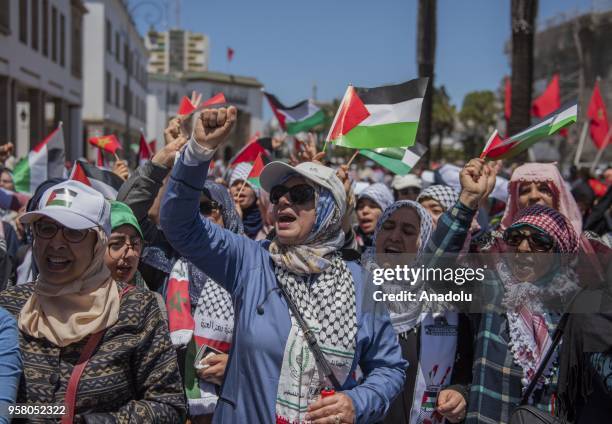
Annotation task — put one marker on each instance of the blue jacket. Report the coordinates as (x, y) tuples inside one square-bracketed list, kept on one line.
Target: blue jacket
[(10, 362), (244, 268)]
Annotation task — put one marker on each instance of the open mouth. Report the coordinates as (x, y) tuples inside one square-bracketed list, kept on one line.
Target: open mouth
[(393, 249), (57, 263)]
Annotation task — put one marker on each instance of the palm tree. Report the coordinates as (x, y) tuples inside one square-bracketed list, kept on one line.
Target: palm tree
[(523, 29), (426, 53)]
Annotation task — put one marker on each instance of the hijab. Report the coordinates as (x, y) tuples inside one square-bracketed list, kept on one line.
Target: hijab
[(444, 195), (67, 313), (325, 238)]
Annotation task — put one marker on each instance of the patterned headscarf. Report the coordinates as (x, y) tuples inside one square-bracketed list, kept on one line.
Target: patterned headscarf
[(326, 237), (552, 223), (444, 195), (379, 194), (241, 173), (218, 193)]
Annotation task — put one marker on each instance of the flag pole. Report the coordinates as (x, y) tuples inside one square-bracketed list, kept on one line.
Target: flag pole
[(348, 164), (241, 188), (583, 135), (117, 158), (600, 152)]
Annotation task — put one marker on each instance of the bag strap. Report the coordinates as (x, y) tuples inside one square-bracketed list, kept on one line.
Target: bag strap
[(556, 338), (312, 341), (77, 371)]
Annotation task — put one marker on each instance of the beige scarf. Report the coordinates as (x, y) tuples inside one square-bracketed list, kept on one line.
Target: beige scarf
[(68, 313)]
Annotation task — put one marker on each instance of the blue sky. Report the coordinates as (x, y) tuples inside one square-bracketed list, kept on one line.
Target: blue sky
[(289, 45)]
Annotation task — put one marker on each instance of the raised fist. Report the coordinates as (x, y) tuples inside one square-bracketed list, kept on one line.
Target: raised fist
[(213, 126), (477, 181)]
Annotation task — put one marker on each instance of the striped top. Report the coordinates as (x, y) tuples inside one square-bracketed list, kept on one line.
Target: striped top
[(133, 374)]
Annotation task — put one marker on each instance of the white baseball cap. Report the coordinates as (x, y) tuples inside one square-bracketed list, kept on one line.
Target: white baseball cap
[(74, 205), (276, 173), (404, 181)]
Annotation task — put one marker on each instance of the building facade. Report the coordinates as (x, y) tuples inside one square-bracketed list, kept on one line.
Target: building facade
[(177, 50), (166, 91), (41, 72), (115, 77)]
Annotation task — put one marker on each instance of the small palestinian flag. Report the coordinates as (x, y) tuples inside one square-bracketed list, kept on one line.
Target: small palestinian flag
[(258, 166), (186, 107), (300, 117), (497, 148), (398, 160), (217, 99), (78, 174), (45, 161), (110, 143), (61, 197), (106, 182), (252, 150), (388, 116)]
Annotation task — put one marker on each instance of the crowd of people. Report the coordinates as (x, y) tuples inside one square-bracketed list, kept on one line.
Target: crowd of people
[(197, 298)]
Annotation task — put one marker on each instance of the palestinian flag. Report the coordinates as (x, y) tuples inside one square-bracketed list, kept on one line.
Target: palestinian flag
[(297, 118), (252, 150), (102, 180), (45, 161), (387, 116), (217, 99), (9, 200), (144, 151), (61, 197), (110, 143), (186, 107), (398, 160), (497, 148), (78, 174), (253, 177)]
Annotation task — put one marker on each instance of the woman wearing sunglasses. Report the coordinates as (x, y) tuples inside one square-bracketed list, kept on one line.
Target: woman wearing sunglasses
[(272, 375), (77, 313), (526, 288)]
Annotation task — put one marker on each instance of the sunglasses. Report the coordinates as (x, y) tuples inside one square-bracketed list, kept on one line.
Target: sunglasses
[(298, 194), (207, 207), (538, 241), (48, 229)]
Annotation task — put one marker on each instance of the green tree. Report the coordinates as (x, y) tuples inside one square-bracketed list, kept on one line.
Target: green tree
[(443, 117), (478, 116)]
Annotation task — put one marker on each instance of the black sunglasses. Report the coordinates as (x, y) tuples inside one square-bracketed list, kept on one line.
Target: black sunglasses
[(538, 241), (207, 207), (298, 194)]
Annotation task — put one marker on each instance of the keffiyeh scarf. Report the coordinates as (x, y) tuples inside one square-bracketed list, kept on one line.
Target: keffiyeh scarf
[(444, 195)]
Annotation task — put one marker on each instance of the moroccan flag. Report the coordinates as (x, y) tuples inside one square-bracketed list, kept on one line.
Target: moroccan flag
[(398, 160), (144, 151), (507, 99), (186, 107), (230, 54), (254, 148), (100, 161), (110, 143), (549, 101), (106, 182), (78, 174), (598, 116), (217, 99), (45, 161), (300, 117), (253, 177), (496, 148), (388, 116)]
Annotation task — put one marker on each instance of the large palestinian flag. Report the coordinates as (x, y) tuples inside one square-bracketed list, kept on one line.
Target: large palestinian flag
[(387, 116), (297, 118), (46, 160), (498, 148)]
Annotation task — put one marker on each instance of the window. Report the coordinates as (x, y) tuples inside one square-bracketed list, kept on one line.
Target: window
[(62, 40), (5, 17), (126, 57), (109, 37), (127, 101), (76, 49), (117, 47), (45, 28), (54, 34), (108, 87), (23, 21), (117, 94), (34, 17)]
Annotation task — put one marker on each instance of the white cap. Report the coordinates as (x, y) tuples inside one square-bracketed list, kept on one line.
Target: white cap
[(74, 205), (404, 181), (276, 173)]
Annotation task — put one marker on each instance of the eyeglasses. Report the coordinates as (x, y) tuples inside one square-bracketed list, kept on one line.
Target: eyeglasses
[(298, 194), (48, 229), (119, 247), (538, 241), (207, 207)]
